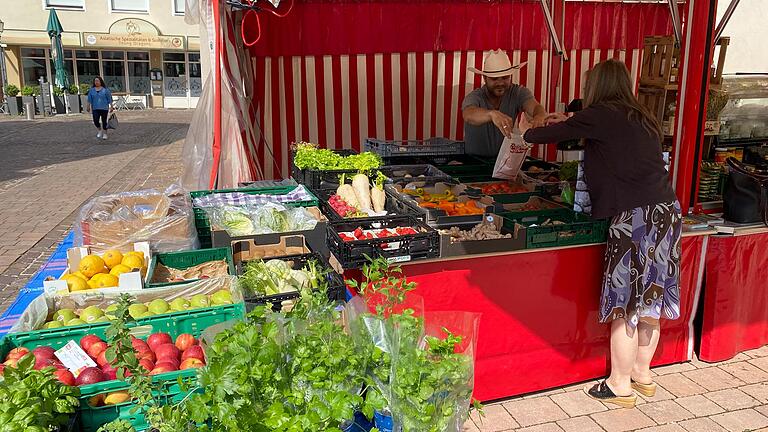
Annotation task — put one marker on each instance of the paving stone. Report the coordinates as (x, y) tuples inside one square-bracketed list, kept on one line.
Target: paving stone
[(470, 426), (529, 412), (759, 352), (763, 409), (577, 403), (495, 418), (702, 425), (732, 399), (675, 368), (761, 362), (661, 394), (547, 427), (740, 421), (664, 428), (699, 406), (622, 420), (664, 412), (679, 385), (579, 424), (746, 372), (713, 379)]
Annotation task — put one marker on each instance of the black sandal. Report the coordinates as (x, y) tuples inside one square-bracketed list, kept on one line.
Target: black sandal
[(603, 393)]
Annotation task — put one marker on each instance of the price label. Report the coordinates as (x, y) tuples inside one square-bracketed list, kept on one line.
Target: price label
[(74, 358), (399, 259)]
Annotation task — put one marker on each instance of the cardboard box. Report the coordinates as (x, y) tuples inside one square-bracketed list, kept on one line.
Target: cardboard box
[(250, 249), (128, 281), (451, 248), (160, 221)]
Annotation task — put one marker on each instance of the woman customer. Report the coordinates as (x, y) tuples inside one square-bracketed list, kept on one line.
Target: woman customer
[(100, 104), (628, 183)]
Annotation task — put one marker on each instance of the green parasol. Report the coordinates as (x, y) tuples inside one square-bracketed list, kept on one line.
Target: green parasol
[(57, 51)]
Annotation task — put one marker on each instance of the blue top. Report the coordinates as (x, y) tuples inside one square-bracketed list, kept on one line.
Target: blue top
[(100, 99)]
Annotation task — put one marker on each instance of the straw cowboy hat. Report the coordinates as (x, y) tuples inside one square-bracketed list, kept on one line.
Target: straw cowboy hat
[(496, 65)]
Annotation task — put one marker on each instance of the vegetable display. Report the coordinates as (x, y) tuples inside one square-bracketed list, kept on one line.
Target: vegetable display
[(278, 277), (361, 234), (498, 188), (483, 231), (201, 271), (262, 219), (360, 199), (308, 155)]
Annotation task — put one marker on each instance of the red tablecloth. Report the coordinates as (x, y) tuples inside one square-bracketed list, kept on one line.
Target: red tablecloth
[(539, 326), (735, 315)]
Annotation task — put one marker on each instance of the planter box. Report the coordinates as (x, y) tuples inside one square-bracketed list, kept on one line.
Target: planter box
[(27, 99), (84, 102), (39, 104), (58, 105), (15, 107), (74, 103)]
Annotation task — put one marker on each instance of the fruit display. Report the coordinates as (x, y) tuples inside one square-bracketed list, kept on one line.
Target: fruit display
[(499, 187), (94, 271), (205, 270), (463, 208), (359, 199), (533, 204), (485, 230), (92, 314), (368, 234)]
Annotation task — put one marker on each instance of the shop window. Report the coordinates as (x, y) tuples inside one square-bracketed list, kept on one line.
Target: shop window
[(87, 70), (173, 57), (137, 55), (178, 7), (138, 73), (87, 54), (68, 4), (69, 66), (195, 76), (33, 64), (130, 5)]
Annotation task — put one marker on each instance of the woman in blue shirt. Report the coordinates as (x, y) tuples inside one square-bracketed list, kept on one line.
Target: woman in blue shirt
[(100, 104)]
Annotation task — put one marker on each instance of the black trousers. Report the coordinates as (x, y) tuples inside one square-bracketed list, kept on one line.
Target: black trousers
[(100, 115)]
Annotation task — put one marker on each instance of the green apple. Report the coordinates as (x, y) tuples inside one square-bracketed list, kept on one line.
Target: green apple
[(199, 301), (53, 324), (179, 304), (136, 310), (159, 306), (64, 315), (147, 314), (91, 314), (221, 297), (76, 321), (103, 318), (109, 312)]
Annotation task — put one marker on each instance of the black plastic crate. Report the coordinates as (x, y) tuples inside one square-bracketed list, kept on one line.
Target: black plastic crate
[(425, 244), (438, 217), (402, 174), (336, 286), (393, 205), (429, 147), (314, 178)]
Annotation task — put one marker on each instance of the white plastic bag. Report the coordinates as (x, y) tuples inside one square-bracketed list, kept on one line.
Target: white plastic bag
[(511, 157)]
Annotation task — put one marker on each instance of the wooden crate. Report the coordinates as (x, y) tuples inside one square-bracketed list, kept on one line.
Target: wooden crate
[(656, 99), (661, 62)]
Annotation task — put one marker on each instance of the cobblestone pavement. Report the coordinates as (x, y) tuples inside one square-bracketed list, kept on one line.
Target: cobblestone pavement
[(51, 167)]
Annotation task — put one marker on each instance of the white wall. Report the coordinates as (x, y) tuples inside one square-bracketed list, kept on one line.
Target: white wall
[(748, 30)]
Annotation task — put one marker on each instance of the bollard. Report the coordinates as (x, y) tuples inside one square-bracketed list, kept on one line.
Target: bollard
[(29, 110)]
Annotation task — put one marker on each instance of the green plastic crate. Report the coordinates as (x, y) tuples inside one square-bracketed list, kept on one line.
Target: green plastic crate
[(186, 259), (577, 230), (203, 225), (536, 216)]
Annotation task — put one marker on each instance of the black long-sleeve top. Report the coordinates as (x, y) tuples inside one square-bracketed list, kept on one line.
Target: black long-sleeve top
[(623, 163)]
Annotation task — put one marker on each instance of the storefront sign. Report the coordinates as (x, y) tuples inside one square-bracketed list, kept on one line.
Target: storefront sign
[(133, 33)]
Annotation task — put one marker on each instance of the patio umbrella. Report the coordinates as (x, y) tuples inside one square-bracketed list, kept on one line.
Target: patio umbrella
[(57, 51)]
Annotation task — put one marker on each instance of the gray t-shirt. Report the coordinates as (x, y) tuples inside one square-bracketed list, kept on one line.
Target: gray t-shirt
[(485, 140)]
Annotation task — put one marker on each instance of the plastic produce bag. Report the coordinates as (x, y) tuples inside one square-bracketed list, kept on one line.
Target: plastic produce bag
[(511, 157), (41, 308), (116, 221), (263, 219)]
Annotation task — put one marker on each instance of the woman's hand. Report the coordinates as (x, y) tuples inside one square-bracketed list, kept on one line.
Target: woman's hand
[(88, 108), (524, 124), (111, 108), (556, 118), (504, 122)]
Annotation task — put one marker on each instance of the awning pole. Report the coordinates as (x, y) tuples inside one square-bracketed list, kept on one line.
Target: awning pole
[(552, 31), (675, 14), (724, 20)]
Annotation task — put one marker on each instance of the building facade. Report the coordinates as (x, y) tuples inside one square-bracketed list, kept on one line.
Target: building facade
[(142, 48)]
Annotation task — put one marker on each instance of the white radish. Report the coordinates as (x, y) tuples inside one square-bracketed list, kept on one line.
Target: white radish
[(347, 193), (378, 197), (362, 187)]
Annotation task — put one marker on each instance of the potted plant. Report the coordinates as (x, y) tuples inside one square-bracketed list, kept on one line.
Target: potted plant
[(14, 101), (84, 88), (73, 99), (58, 100), (28, 95)]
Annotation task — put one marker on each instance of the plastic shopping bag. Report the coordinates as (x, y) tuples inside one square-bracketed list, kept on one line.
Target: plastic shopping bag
[(112, 122), (511, 157)]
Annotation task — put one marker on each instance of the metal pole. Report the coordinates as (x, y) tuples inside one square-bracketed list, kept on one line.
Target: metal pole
[(724, 20), (552, 30), (676, 26)]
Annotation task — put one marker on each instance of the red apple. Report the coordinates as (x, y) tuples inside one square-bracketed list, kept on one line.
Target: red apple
[(88, 340), (167, 350), (147, 364), (110, 373), (191, 363), (11, 362), (195, 351), (167, 364), (149, 355), (59, 365), (2, 368), (65, 376), (44, 352), (96, 348), (184, 341), (160, 369), (139, 345), (90, 375), (17, 353), (101, 359), (44, 363), (157, 339)]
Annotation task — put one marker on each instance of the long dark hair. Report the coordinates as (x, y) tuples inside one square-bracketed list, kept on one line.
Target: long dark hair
[(608, 83), (101, 80)]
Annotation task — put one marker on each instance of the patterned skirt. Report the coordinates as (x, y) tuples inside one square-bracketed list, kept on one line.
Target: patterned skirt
[(642, 265)]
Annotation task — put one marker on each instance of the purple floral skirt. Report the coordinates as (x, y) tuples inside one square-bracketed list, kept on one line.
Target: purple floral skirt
[(642, 265)]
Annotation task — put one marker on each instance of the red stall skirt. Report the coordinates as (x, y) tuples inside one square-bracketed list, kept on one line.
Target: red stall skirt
[(735, 316), (539, 328)]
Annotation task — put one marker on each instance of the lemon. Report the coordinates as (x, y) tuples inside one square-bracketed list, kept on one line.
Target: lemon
[(133, 261), (107, 281), (80, 275), (91, 265), (76, 283), (119, 269), (140, 254), (93, 284), (112, 258)]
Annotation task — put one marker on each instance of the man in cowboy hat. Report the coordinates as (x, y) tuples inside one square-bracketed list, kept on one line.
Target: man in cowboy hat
[(490, 111)]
